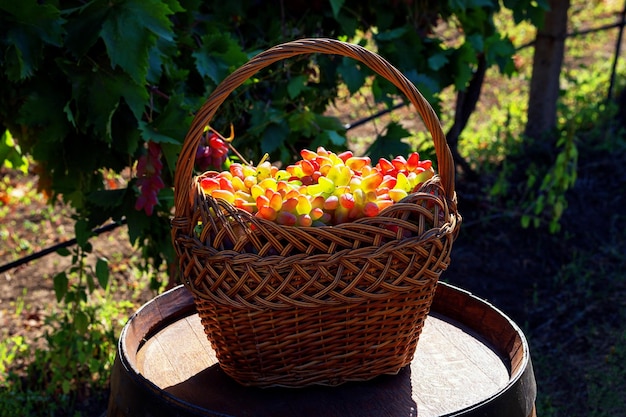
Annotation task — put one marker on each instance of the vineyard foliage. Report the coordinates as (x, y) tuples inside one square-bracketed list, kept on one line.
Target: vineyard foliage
[(91, 88)]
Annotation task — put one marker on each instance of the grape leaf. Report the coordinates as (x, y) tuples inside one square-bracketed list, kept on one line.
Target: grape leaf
[(336, 5), (82, 231), (150, 133), (390, 145), (107, 198), (84, 26), (103, 97), (273, 137), (102, 272), (437, 61), (218, 53), (60, 282), (130, 31), (43, 109), (352, 74), (302, 121), (30, 27), (296, 85), (335, 137), (43, 19), (328, 123)]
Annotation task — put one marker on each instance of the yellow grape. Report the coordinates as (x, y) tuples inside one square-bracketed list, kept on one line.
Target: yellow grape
[(256, 191), (397, 194), (249, 181), (238, 184), (282, 175), (372, 181), (339, 174), (359, 197), (224, 195), (264, 170), (304, 205), (269, 184), (403, 183), (243, 195), (248, 171), (276, 201)]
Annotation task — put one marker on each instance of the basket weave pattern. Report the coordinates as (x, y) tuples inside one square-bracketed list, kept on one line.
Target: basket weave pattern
[(289, 306)]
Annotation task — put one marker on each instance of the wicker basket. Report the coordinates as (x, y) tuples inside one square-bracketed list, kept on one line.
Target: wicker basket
[(289, 306)]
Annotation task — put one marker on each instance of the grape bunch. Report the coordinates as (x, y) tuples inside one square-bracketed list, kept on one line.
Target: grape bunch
[(149, 179), (212, 152), (322, 188)]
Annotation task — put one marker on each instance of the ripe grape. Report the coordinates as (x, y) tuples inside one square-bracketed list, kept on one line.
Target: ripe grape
[(323, 188), (212, 152), (149, 179)]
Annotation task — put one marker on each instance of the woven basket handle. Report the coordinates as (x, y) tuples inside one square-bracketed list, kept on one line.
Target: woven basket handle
[(186, 158)]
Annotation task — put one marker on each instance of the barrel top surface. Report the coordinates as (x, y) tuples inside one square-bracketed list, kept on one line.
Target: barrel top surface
[(469, 355)]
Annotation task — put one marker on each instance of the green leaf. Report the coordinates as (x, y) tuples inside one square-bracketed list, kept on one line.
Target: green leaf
[(328, 123), (102, 272), (335, 138), (107, 199), (302, 121), (390, 145), (296, 85), (500, 51), (81, 322), (437, 61), (60, 283), (457, 4), (130, 31), (97, 94), (150, 133), (465, 56), (477, 41), (43, 109), (84, 26), (273, 137), (11, 154), (219, 53), (63, 252), (82, 232), (336, 5), (390, 35), (32, 26), (138, 224), (351, 74), (175, 119)]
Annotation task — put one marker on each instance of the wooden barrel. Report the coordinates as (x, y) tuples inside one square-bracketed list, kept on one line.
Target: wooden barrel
[(471, 360)]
